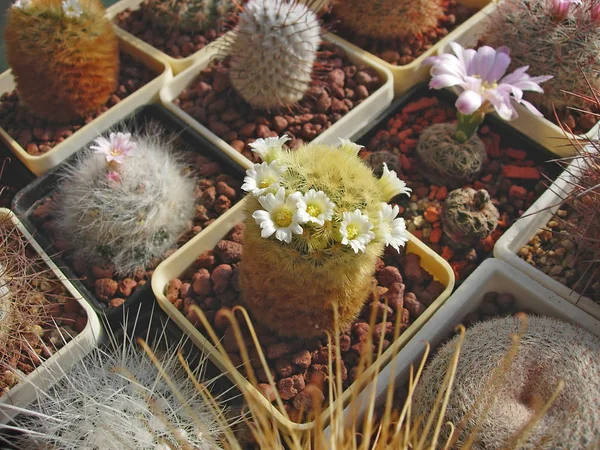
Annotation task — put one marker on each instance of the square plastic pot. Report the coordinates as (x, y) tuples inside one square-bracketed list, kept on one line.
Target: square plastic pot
[(146, 94), (492, 275), (26, 200), (41, 378), (180, 261), (524, 229), (344, 128)]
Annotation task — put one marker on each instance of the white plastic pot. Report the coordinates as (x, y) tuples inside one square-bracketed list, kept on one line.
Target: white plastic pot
[(346, 127), (146, 94), (26, 391), (491, 275), (536, 217), (540, 129)]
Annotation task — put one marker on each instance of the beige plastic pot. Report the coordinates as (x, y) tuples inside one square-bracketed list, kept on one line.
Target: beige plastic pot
[(146, 94), (524, 229), (491, 275), (180, 261), (42, 377), (541, 130), (346, 127)]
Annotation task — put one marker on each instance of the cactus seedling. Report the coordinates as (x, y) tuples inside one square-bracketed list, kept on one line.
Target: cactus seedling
[(549, 351), (317, 222), (188, 15), (389, 19), (125, 200), (63, 55), (469, 216), (273, 52)]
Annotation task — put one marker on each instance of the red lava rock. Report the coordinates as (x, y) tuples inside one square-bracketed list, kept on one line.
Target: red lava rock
[(71, 306), (230, 252), (309, 399), (106, 288), (302, 359), (116, 302), (284, 367), (126, 286), (395, 296), (220, 277), (276, 351), (412, 268), (106, 271), (206, 260), (202, 284), (517, 192), (414, 306), (388, 276), (80, 324), (268, 391)]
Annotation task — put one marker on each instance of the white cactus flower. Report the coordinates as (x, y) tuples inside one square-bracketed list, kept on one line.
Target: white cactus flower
[(72, 8), (269, 149), (21, 4), (350, 147), (356, 230), (391, 185), (315, 207), (390, 228), (263, 178), (280, 215)]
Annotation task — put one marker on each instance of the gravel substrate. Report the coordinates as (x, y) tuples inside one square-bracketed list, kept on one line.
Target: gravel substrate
[(38, 136), (511, 177), (300, 366), (216, 192), (339, 87)]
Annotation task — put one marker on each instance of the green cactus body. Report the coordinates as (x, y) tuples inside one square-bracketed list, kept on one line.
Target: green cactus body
[(389, 19), (188, 15), (292, 287)]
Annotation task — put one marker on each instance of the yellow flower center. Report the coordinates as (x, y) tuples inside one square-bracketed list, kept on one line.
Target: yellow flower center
[(352, 231), (313, 210), (115, 152), (266, 182), (283, 218)]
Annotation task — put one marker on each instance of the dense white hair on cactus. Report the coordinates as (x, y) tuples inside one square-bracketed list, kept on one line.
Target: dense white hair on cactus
[(130, 212), (273, 52), (116, 398), (549, 351)]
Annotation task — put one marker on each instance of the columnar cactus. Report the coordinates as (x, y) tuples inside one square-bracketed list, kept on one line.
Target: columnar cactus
[(469, 216), (558, 37), (317, 222), (188, 15), (64, 56), (389, 19), (549, 351), (273, 52), (125, 200)]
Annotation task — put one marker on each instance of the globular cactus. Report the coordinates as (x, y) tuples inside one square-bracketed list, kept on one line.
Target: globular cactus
[(469, 216), (273, 52), (317, 222), (188, 15), (389, 19), (556, 37), (447, 162), (125, 200), (64, 56), (549, 351)]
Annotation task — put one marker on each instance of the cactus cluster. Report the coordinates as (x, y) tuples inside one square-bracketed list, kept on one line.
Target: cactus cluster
[(126, 200), (469, 216), (273, 51), (64, 56), (389, 19), (188, 15), (317, 221), (549, 351), (561, 38)]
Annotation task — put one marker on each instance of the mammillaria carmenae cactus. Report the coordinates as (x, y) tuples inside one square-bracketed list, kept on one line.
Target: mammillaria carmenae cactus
[(469, 216), (273, 52), (389, 19), (188, 15), (317, 222), (549, 351), (558, 37), (126, 201), (64, 56)]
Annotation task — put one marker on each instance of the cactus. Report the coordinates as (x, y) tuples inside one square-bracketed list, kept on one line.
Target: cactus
[(469, 216), (446, 161), (559, 41), (64, 56), (188, 15), (273, 52), (125, 200), (317, 222), (549, 351), (389, 19)]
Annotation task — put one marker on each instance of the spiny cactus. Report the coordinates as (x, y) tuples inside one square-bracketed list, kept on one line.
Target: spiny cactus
[(551, 37), (125, 200), (549, 351), (273, 52), (64, 56), (389, 19), (469, 216), (317, 221), (188, 15)]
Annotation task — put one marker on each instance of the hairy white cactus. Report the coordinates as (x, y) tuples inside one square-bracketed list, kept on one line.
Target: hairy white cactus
[(127, 202), (549, 351), (273, 52)]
